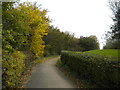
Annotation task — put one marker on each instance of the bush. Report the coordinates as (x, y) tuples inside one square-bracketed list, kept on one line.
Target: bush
[(13, 66), (102, 70)]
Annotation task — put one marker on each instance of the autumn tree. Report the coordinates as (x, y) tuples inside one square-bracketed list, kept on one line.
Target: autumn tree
[(24, 27)]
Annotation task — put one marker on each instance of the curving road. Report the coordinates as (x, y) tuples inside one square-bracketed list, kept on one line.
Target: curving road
[(47, 75)]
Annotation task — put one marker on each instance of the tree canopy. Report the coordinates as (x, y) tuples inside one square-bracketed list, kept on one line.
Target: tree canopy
[(88, 43), (56, 41), (113, 41), (23, 27)]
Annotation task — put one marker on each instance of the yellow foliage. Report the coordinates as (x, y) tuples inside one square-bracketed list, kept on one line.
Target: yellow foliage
[(13, 66), (38, 23)]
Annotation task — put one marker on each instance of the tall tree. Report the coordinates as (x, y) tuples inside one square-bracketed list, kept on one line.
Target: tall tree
[(88, 43), (113, 36), (24, 27), (115, 7)]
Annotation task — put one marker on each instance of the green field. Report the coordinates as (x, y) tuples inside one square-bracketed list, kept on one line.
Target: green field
[(106, 52)]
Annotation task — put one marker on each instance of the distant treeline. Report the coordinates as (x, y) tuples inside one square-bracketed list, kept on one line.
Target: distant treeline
[(56, 41)]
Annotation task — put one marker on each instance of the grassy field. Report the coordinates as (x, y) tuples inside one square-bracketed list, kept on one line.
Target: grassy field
[(106, 52)]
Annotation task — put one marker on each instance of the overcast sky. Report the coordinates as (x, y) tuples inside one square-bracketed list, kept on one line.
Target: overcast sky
[(81, 17)]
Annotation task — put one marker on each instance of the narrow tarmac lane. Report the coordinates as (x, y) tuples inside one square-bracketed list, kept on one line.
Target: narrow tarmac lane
[(47, 75)]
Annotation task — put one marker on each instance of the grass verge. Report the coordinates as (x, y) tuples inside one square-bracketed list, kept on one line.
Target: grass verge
[(74, 77), (106, 52)]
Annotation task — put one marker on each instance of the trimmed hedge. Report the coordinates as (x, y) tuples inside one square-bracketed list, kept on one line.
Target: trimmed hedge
[(12, 66), (102, 70)]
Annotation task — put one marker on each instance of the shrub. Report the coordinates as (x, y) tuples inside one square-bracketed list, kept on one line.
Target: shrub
[(13, 66), (102, 70)]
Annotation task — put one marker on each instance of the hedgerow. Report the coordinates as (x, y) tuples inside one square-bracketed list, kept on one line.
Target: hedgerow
[(13, 67), (102, 70), (24, 26)]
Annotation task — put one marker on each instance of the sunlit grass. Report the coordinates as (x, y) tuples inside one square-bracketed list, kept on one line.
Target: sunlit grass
[(106, 52)]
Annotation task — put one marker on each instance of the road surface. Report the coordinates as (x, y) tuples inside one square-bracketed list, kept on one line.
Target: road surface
[(47, 75)]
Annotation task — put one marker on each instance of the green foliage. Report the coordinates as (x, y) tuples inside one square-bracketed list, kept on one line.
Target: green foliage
[(13, 66), (56, 41), (69, 42), (59, 63), (24, 26), (88, 43), (112, 44), (99, 69), (115, 8), (106, 52)]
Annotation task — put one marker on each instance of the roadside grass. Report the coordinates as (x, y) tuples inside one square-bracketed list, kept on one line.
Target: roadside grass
[(25, 77), (106, 52), (74, 77)]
